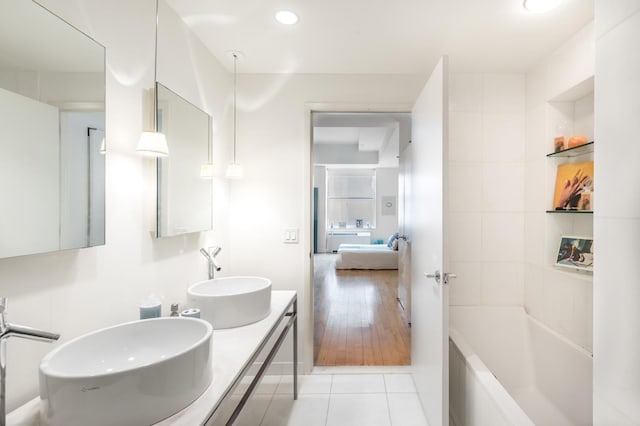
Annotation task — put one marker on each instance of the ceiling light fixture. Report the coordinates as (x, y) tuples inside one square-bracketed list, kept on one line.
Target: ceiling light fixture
[(152, 143), (286, 17), (540, 6), (234, 170)]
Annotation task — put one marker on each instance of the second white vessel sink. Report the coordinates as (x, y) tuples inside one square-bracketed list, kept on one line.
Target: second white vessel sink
[(232, 301), (136, 373)]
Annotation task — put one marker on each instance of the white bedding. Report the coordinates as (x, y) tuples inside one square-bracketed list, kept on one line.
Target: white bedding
[(366, 256)]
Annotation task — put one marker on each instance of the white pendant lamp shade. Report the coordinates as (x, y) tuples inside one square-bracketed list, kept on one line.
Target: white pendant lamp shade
[(206, 171), (234, 170), (153, 144)]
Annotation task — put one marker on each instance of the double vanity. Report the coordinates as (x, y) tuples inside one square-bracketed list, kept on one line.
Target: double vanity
[(170, 370)]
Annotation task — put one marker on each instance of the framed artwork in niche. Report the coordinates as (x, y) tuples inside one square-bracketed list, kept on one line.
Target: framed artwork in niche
[(576, 253), (574, 187)]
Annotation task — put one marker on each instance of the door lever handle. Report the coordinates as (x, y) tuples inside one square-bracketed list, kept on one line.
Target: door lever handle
[(438, 276), (435, 275)]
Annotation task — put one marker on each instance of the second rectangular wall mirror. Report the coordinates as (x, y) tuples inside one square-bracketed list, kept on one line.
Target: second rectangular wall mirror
[(184, 193)]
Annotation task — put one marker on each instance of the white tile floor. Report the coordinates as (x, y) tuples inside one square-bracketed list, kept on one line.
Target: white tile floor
[(336, 398)]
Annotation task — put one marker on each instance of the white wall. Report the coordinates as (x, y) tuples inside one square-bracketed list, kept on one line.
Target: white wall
[(559, 298), (486, 188), (386, 185), (617, 218), (76, 291), (274, 148)]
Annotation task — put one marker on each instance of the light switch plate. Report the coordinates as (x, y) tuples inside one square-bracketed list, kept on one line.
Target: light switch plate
[(290, 236)]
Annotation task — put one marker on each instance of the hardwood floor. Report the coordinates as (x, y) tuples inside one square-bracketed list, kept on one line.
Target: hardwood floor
[(357, 317)]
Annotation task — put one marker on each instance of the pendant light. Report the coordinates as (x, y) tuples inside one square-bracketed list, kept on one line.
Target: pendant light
[(153, 143), (234, 170)]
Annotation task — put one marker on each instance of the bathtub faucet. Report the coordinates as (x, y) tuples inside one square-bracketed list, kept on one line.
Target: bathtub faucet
[(12, 330), (211, 258)]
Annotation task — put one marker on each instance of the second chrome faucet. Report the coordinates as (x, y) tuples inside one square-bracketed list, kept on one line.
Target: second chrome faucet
[(211, 259)]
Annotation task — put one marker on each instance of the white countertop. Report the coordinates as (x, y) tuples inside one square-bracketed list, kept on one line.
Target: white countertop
[(231, 351)]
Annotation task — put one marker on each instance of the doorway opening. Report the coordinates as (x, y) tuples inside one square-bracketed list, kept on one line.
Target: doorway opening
[(357, 215)]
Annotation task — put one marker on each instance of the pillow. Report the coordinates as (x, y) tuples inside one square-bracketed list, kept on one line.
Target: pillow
[(392, 238)]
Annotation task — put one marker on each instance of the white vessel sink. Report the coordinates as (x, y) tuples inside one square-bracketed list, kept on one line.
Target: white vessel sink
[(136, 373), (231, 301)]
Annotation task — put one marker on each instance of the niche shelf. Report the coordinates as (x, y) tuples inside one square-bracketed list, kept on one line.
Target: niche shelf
[(570, 211), (576, 151)]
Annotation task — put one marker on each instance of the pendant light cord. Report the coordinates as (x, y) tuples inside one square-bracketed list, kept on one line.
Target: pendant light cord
[(235, 105), (155, 71)]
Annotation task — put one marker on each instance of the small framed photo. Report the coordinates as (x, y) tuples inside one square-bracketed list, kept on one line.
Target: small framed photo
[(576, 253)]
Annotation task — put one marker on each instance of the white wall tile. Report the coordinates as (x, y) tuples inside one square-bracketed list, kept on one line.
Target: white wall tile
[(503, 136), (465, 237), (503, 283), (616, 296), (583, 313), (537, 144), (465, 188), (535, 302), (534, 237), (465, 92), (617, 126), (572, 63), (465, 136), (558, 292), (503, 237), (609, 13), (503, 93), (535, 189), (466, 288), (503, 187)]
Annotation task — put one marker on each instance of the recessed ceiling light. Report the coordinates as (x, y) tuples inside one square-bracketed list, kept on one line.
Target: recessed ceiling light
[(540, 6), (286, 17)]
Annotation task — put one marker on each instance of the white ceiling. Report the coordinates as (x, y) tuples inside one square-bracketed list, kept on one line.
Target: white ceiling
[(381, 36), (360, 134)]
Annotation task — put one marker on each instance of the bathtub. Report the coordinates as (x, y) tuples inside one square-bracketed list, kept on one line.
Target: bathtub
[(507, 368)]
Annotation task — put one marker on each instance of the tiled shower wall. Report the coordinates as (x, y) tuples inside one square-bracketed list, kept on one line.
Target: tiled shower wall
[(486, 188)]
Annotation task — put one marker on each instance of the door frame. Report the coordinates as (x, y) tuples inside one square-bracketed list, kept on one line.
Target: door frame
[(310, 108)]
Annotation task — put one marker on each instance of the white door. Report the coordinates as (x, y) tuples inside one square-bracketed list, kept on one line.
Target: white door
[(429, 294), (404, 222)]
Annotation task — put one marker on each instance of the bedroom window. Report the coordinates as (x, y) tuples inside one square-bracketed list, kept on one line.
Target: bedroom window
[(351, 199)]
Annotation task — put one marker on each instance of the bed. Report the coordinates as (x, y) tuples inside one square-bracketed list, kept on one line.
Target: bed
[(366, 256)]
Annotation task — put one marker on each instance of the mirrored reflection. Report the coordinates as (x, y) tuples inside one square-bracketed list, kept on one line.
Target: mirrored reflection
[(52, 91), (184, 183)]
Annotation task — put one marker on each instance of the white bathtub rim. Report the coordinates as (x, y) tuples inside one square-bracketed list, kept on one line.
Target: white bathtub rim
[(498, 394)]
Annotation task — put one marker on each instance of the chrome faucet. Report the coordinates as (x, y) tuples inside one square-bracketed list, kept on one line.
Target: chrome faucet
[(211, 258), (12, 330)]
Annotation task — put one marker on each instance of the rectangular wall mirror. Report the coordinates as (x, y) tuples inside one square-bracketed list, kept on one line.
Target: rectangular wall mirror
[(52, 139), (184, 180)]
